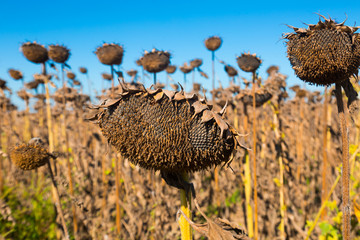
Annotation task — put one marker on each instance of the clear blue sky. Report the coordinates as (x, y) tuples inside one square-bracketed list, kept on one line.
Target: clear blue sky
[(177, 26)]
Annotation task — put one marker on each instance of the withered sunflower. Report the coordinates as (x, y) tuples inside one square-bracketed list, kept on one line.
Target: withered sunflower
[(166, 130)]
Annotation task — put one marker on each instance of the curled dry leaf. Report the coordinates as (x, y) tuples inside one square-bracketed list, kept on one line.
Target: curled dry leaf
[(219, 229)]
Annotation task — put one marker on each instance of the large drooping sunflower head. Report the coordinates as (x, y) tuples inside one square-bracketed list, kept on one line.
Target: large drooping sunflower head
[(166, 130), (325, 53)]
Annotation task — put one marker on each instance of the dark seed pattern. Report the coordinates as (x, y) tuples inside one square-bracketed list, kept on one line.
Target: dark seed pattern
[(34, 52), (29, 156), (166, 131), (329, 53), (248, 62)]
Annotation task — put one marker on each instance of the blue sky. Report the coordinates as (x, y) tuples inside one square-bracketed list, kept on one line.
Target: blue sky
[(178, 26)]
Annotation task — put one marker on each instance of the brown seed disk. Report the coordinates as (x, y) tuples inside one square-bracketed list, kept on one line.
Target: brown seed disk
[(106, 76), (261, 97), (76, 82), (83, 70), (155, 61), (15, 74), (132, 73), (34, 52), (71, 75), (29, 156), (248, 62), (160, 133), (213, 43), (324, 56), (231, 71), (59, 54), (170, 69), (185, 68), (110, 54), (272, 69), (196, 63)]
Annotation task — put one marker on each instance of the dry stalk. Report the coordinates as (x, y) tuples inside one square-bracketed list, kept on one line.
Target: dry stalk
[(3, 141), (281, 172), (27, 133), (58, 202), (345, 163), (117, 192), (254, 159), (325, 163), (66, 149), (48, 111), (105, 186), (112, 81), (299, 147)]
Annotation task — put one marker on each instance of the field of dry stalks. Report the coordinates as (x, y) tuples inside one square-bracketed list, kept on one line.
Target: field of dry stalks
[(291, 191)]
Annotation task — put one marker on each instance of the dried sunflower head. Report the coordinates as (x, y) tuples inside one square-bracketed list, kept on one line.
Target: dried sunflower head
[(155, 61), (231, 71), (71, 75), (3, 86), (110, 54), (170, 69), (59, 54), (15, 74), (325, 53), (262, 95), (213, 43), (166, 130), (29, 156), (197, 62), (248, 62), (132, 72), (272, 69), (186, 68), (34, 52), (83, 70), (106, 76)]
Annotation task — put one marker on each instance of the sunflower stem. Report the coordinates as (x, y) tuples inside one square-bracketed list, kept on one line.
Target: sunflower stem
[(185, 198), (324, 166), (57, 201), (277, 132), (112, 80), (117, 192), (254, 159), (345, 163)]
